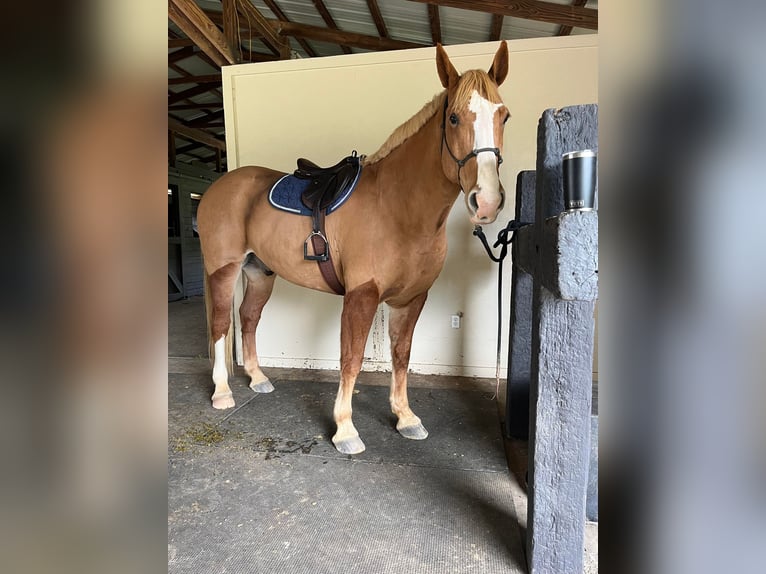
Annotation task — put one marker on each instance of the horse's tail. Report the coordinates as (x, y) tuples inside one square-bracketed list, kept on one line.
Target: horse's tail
[(229, 341)]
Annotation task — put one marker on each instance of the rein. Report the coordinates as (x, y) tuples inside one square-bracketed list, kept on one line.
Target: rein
[(504, 238), (473, 153)]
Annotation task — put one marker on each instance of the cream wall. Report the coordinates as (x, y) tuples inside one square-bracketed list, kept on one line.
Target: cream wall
[(322, 108)]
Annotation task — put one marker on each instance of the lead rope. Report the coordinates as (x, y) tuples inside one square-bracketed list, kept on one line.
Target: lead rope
[(504, 238)]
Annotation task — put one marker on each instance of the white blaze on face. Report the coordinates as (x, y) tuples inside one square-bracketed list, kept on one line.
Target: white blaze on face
[(488, 179)]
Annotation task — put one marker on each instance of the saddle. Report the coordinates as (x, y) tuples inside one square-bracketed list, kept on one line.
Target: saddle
[(326, 185), (326, 182)]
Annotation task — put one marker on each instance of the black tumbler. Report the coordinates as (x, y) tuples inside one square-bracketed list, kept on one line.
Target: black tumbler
[(579, 180)]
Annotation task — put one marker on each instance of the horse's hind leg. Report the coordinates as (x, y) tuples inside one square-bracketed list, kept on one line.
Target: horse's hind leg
[(221, 285), (401, 326), (359, 306), (260, 282)]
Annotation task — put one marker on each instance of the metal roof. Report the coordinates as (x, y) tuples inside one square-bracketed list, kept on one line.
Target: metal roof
[(404, 21)]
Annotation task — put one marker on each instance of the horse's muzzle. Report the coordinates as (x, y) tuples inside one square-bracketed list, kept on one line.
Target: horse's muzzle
[(484, 207)]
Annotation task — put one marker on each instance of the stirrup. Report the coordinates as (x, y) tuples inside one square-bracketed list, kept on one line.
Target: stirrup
[(319, 256)]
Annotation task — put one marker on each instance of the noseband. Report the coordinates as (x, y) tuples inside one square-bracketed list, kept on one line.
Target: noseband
[(475, 152)]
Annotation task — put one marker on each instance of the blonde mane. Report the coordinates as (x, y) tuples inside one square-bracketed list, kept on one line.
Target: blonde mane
[(408, 128), (471, 80)]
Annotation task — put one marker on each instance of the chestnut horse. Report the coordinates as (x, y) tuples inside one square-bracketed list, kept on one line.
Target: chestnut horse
[(388, 241)]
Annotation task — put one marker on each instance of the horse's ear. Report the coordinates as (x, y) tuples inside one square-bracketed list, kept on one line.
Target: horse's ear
[(447, 72), (499, 69)]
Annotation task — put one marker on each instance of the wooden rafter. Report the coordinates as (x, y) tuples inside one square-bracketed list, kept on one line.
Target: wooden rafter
[(566, 30), (201, 136), (377, 17), (328, 19), (283, 17), (174, 98), (207, 79), (179, 70), (497, 27), (192, 20), (435, 22), (180, 42), (179, 107), (231, 26), (340, 37), (181, 54), (248, 56), (253, 18), (320, 34), (207, 125), (529, 10), (187, 148), (209, 120)]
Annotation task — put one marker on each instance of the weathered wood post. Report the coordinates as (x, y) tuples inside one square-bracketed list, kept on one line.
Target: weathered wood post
[(520, 338), (560, 253)]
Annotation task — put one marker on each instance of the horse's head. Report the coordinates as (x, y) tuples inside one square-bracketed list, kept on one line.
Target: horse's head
[(473, 120)]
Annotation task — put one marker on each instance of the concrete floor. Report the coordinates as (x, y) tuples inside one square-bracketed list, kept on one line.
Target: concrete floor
[(260, 488)]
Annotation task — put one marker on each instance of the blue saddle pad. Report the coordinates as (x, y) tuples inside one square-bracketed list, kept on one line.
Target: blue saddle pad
[(286, 194)]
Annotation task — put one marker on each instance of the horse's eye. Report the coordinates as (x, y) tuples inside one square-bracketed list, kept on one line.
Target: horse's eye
[(453, 120)]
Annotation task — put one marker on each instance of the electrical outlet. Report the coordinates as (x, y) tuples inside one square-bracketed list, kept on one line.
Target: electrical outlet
[(455, 321)]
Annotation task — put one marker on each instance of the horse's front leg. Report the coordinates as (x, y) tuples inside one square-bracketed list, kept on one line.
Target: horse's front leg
[(401, 326), (359, 306)]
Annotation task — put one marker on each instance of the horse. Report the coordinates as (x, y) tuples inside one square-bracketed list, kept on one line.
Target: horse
[(387, 243)]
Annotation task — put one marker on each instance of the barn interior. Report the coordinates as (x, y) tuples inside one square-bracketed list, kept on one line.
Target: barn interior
[(260, 488)]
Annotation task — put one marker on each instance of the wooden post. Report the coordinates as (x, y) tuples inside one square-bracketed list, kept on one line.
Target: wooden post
[(520, 338), (560, 253)]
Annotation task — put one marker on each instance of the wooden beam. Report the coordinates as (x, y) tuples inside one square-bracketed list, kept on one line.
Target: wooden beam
[(529, 10), (328, 19), (187, 148), (178, 69), (566, 30), (436, 27), (196, 134), (207, 79), (207, 125), (497, 27), (248, 56), (180, 20), (190, 93), (283, 17), (340, 37), (209, 120), (254, 18), (183, 53), (195, 24), (377, 17), (231, 26), (180, 42), (320, 34), (213, 106)]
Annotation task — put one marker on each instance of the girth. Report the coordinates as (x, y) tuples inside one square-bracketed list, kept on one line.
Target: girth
[(326, 184)]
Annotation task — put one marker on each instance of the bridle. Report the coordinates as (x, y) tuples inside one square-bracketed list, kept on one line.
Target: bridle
[(473, 153)]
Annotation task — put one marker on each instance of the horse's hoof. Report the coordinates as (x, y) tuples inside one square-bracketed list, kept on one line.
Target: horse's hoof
[(414, 432), (351, 445), (223, 401), (262, 387)]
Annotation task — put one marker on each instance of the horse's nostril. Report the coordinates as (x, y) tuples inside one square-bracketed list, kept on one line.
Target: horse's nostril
[(472, 202)]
